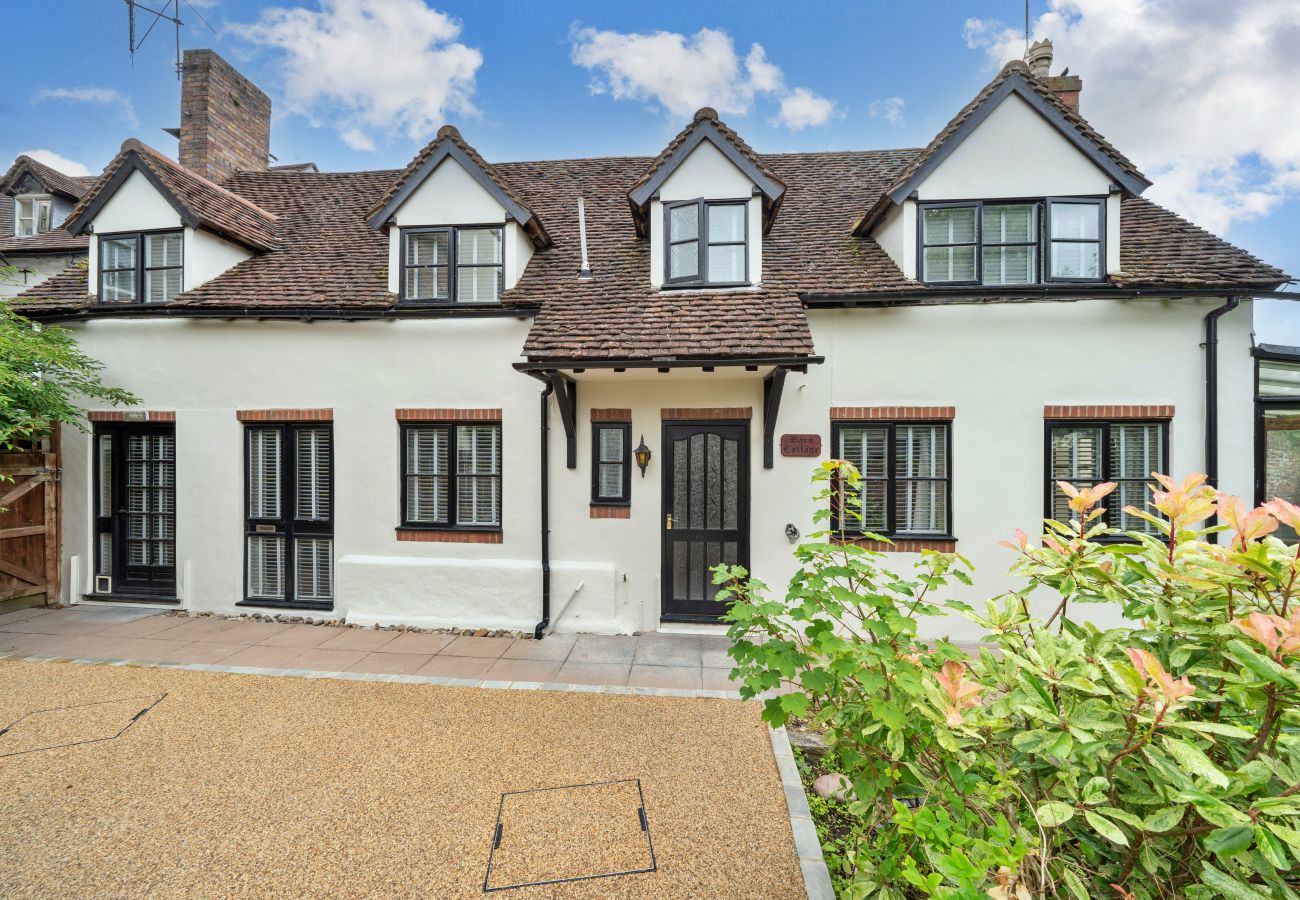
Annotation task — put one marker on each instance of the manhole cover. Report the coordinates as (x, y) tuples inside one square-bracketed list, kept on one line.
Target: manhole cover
[(82, 723), (570, 833)]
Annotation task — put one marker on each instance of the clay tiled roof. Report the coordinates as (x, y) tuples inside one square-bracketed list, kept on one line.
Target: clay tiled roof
[(1157, 247), (54, 180), (204, 203), (65, 291), (56, 240)]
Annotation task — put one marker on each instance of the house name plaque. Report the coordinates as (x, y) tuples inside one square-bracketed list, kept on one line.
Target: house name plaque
[(801, 445)]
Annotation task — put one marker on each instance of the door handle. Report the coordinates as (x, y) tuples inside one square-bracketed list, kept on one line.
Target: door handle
[(668, 522)]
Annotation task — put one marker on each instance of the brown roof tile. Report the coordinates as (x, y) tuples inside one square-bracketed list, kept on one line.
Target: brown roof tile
[(54, 180), (211, 205), (1157, 247)]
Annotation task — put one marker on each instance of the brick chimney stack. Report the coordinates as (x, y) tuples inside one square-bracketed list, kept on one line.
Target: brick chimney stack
[(1039, 60), (225, 118)]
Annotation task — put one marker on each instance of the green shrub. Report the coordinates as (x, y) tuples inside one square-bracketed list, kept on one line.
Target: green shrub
[(1159, 759)]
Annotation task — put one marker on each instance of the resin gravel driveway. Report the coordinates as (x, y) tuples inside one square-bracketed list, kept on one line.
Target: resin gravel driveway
[(128, 781)]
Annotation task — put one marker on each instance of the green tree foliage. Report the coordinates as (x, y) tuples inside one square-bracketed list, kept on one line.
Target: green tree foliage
[(45, 380), (1159, 759)]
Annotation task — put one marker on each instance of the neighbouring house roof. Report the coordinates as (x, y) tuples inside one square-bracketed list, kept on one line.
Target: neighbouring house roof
[(56, 240), (449, 143), (329, 258), (199, 202), (1013, 78), (705, 126)]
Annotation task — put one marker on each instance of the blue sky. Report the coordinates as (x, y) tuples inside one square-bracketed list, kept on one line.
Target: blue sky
[(1198, 92)]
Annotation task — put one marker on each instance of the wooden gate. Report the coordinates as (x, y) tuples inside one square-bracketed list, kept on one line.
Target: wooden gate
[(29, 527)]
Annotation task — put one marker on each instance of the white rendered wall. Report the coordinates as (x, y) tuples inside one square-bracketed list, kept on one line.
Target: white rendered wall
[(207, 256), (896, 235), (708, 174), (997, 364), (451, 196), (32, 270)]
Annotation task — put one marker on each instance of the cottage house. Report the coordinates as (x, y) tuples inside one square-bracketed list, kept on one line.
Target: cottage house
[(35, 199), (555, 393)]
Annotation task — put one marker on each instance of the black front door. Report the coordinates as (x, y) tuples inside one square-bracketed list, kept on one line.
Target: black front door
[(706, 513), (136, 509)]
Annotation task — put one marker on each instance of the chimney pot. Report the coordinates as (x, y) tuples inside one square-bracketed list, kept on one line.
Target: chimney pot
[(1039, 58)]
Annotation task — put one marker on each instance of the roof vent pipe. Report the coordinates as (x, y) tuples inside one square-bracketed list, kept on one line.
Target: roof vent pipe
[(584, 274)]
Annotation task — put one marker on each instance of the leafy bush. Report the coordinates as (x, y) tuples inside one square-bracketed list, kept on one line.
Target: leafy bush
[(1159, 759)]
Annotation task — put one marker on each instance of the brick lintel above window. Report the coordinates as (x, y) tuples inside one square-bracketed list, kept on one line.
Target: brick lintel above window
[(320, 414), (890, 413), (1112, 411), (426, 414)]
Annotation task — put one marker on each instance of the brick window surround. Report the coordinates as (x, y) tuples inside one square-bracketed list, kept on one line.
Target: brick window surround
[(134, 415), (892, 413), (448, 415), (902, 545), (285, 415), (1113, 411), (611, 415), (610, 512), (452, 536), (707, 413)]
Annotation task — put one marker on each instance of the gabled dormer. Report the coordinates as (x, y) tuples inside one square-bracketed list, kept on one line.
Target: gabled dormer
[(42, 196), (705, 203), (457, 232), (159, 229), (1017, 189)]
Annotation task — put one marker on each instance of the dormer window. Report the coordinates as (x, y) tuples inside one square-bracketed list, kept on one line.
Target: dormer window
[(429, 275), (1002, 243), (33, 214), (706, 242), (145, 267)]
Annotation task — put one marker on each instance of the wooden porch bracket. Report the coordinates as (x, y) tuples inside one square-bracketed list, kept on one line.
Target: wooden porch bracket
[(566, 396), (773, 387)]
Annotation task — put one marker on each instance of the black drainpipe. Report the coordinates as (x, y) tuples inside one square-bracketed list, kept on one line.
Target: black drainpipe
[(546, 512), (1212, 392)]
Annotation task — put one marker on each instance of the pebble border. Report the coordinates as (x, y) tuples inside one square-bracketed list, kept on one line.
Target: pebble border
[(816, 877)]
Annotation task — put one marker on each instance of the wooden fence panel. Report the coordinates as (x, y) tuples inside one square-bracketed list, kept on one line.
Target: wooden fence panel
[(29, 526)]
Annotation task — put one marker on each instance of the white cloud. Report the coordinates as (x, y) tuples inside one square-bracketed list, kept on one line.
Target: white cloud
[(890, 109), (97, 95), (681, 73), (57, 162), (802, 108), (1199, 93), (370, 67)]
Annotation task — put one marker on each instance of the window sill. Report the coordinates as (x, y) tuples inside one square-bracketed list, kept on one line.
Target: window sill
[(448, 304), (902, 543), (317, 605), (450, 535), (703, 287), (611, 511)]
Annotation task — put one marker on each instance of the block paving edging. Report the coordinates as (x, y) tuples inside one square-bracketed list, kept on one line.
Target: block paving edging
[(816, 877)]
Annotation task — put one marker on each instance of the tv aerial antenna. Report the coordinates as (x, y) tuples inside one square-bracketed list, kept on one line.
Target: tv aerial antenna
[(168, 11)]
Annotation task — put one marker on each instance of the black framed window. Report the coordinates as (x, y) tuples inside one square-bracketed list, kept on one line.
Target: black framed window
[(451, 475), (289, 534), (1088, 452), (706, 242), (906, 488), (453, 265), (611, 463), (143, 267), (1002, 242), (1277, 432)]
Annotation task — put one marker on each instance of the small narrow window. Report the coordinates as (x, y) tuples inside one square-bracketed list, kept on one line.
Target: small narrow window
[(146, 267), (707, 242), (289, 533), (949, 236), (906, 487), (453, 265), (451, 475), (33, 215), (1088, 453), (1009, 243), (1076, 239), (611, 463)]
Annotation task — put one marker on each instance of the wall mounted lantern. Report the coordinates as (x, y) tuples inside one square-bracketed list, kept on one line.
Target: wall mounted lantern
[(642, 456)]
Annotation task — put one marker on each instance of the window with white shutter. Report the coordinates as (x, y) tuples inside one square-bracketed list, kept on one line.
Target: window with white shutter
[(451, 475), (1086, 453), (145, 267), (611, 463), (906, 487), (1009, 242), (290, 527), (453, 265)]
